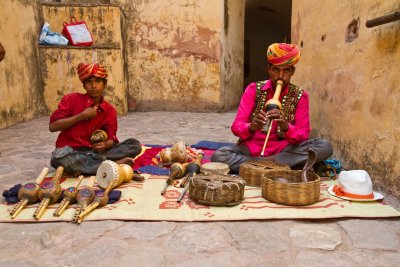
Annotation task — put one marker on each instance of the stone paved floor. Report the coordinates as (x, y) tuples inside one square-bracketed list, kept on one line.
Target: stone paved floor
[(25, 150)]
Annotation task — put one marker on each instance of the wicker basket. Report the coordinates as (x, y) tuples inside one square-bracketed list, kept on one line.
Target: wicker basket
[(216, 189), (252, 171), (292, 192)]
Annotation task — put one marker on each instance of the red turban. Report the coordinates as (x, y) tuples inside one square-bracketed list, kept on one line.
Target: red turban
[(282, 54), (86, 71)]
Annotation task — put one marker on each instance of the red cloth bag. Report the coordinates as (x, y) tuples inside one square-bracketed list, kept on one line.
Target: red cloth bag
[(77, 33)]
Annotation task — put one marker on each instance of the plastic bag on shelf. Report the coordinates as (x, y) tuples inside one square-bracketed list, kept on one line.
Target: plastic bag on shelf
[(51, 38)]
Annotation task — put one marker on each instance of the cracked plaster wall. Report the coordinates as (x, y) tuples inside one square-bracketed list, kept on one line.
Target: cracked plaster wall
[(58, 64), (21, 94), (354, 86), (173, 52)]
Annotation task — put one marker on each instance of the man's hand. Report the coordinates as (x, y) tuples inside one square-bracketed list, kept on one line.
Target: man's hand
[(262, 117), (89, 113), (103, 146), (258, 121), (279, 117)]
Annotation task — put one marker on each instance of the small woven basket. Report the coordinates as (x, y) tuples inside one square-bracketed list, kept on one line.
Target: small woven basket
[(216, 189), (252, 171), (286, 187)]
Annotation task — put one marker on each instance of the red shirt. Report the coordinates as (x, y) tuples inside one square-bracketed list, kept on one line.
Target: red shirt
[(79, 134)]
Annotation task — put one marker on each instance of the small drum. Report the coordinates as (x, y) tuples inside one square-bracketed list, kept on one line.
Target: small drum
[(216, 190), (215, 168), (253, 170), (109, 171)]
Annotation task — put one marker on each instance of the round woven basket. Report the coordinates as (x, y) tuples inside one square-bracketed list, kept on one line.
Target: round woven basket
[(216, 189), (252, 171), (293, 191)]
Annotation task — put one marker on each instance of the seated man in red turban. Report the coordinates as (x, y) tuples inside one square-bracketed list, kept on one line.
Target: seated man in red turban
[(78, 116), (288, 141)]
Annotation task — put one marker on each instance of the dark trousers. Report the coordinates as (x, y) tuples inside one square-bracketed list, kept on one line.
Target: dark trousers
[(292, 155), (86, 160)]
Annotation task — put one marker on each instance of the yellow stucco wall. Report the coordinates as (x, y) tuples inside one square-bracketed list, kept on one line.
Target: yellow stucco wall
[(21, 96), (182, 56), (58, 64), (354, 86), (173, 54), (232, 54), (60, 77)]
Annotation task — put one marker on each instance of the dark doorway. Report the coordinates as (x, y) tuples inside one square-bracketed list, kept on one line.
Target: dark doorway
[(266, 22)]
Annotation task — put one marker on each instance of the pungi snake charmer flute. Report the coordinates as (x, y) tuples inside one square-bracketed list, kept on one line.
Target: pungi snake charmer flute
[(49, 193), (69, 197), (28, 194), (84, 197), (273, 103), (193, 167), (100, 200), (176, 171)]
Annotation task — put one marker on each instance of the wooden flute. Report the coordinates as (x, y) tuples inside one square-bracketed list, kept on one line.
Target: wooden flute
[(273, 103)]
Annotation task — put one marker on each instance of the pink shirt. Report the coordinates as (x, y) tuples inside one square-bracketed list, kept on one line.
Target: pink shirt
[(297, 133)]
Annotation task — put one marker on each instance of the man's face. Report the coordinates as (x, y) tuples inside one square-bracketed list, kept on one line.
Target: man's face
[(95, 86), (283, 73)]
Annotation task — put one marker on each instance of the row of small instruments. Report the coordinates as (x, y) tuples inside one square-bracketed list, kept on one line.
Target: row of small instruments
[(109, 175)]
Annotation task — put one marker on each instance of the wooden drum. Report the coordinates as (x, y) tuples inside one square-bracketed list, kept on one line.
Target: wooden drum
[(109, 171), (252, 171), (215, 168), (216, 190)]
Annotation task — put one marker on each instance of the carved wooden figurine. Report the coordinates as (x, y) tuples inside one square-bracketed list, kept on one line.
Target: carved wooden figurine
[(28, 194), (49, 193), (84, 197), (100, 200), (69, 197)]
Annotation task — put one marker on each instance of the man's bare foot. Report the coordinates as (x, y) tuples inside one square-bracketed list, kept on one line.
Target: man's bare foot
[(126, 160)]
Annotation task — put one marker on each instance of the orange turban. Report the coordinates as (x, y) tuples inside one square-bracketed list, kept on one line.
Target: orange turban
[(86, 71), (282, 54)]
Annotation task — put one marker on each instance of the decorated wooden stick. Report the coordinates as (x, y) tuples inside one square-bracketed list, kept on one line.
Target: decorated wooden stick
[(100, 200), (84, 197), (69, 197), (273, 103), (49, 193), (176, 171), (28, 194)]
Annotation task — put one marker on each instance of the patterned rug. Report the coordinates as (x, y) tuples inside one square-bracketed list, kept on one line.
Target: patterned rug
[(143, 201)]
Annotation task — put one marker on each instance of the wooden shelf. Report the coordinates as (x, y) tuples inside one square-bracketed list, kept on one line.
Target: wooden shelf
[(81, 47)]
